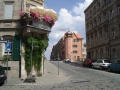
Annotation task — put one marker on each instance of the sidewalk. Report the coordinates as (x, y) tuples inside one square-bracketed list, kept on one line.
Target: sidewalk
[(50, 76)]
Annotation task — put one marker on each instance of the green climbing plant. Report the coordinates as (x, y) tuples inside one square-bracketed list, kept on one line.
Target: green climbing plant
[(40, 46)]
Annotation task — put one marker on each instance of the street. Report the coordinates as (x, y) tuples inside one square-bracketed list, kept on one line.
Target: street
[(82, 78), (78, 78)]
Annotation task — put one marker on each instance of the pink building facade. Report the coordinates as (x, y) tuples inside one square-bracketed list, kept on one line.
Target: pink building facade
[(69, 46)]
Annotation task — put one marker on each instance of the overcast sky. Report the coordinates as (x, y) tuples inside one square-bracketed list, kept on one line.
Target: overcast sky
[(70, 15)]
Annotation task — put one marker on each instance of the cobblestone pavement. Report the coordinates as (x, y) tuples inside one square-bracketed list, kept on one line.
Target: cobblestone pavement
[(71, 78)]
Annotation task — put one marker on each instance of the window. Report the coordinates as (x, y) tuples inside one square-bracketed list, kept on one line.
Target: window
[(119, 9), (87, 26), (98, 5), (74, 57), (119, 29), (88, 41), (78, 57), (76, 40), (87, 16), (94, 9), (95, 23), (100, 33), (92, 39), (99, 19), (106, 34), (114, 53), (97, 54), (92, 53), (8, 11), (111, 14), (104, 16), (113, 33), (75, 52), (104, 2), (83, 50), (101, 54), (107, 53), (96, 38), (75, 46), (91, 25), (90, 12)]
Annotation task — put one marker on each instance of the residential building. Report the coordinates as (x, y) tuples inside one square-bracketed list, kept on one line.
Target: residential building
[(102, 21), (69, 46), (16, 23)]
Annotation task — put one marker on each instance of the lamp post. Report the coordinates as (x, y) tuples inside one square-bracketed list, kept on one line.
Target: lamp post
[(31, 57), (58, 63), (71, 57)]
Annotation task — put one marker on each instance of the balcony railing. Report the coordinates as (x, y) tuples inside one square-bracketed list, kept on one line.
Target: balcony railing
[(35, 20), (43, 25)]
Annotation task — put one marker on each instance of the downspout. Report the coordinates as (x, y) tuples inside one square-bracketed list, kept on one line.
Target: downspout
[(22, 8)]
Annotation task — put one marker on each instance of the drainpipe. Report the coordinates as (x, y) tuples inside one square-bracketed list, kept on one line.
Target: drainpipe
[(22, 8)]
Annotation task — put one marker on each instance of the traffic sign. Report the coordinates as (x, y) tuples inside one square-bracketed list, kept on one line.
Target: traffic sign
[(8, 47), (3, 41)]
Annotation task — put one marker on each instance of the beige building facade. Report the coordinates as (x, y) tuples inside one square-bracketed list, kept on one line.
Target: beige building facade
[(70, 46), (102, 20), (17, 22)]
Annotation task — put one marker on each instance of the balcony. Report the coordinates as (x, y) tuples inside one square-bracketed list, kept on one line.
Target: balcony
[(36, 23)]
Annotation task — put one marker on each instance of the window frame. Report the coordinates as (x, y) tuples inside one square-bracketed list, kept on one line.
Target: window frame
[(74, 46), (74, 52), (10, 3), (118, 8)]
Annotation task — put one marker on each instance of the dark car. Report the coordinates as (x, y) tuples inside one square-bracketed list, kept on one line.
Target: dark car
[(3, 76), (88, 62), (114, 66)]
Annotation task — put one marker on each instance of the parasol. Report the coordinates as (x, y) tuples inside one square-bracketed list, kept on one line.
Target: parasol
[(40, 11), (35, 10), (52, 14)]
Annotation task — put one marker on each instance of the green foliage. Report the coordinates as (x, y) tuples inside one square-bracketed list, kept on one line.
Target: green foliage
[(39, 46), (4, 58)]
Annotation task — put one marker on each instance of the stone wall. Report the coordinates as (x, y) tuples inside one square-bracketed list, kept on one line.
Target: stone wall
[(14, 65)]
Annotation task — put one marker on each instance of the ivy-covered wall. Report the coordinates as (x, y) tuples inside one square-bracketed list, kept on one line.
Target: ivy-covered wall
[(39, 46)]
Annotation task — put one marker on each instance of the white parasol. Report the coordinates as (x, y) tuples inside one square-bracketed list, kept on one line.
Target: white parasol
[(52, 14)]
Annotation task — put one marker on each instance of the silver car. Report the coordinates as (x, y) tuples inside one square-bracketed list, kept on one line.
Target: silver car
[(67, 60), (101, 64)]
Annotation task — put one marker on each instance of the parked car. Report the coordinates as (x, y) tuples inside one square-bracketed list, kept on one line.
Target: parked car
[(3, 76), (101, 64), (114, 66), (67, 60), (88, 62)]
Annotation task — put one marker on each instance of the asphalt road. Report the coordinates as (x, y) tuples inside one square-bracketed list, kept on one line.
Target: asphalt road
[(79, 78)]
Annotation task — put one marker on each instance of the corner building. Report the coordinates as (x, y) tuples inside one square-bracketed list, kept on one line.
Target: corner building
[(16, 23), (102, 20), (71, 46)]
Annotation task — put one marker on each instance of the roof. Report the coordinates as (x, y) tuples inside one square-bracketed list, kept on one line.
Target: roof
[(74, 34), (78, 35)]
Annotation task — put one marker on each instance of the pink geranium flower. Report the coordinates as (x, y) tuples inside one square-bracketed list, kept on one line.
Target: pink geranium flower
[(21, 13), (49, 20), (35, 15)]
